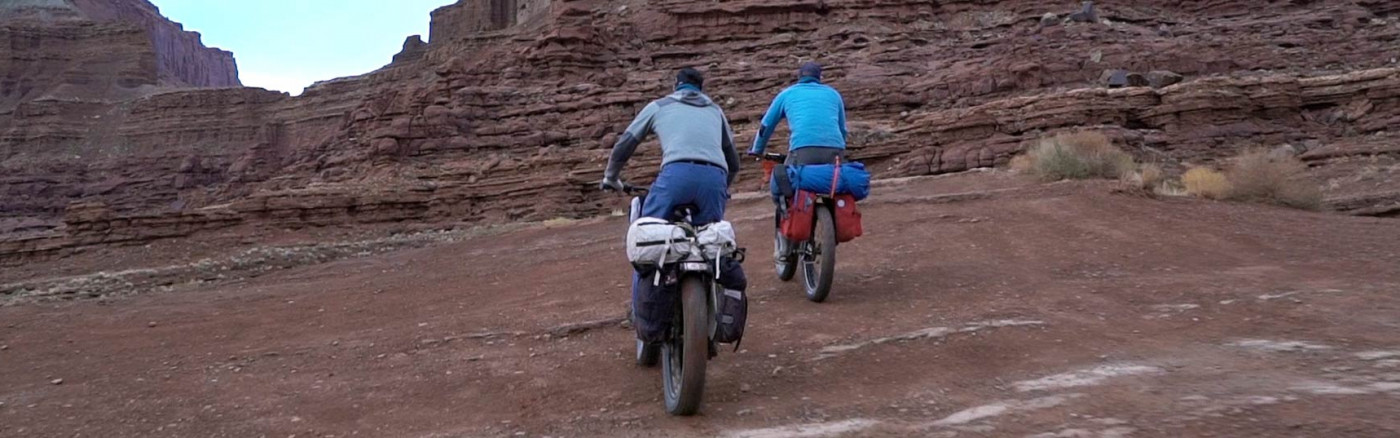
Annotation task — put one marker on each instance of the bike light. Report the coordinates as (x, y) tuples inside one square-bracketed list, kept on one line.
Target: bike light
[(695, 266)]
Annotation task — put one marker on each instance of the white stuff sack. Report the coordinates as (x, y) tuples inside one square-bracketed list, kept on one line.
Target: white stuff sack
[(655, 242), (717, 239)]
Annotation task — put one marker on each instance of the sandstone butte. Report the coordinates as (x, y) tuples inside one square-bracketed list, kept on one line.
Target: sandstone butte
[(119, 127)]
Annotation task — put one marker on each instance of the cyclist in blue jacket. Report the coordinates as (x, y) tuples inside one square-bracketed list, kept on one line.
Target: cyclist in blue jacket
[(816, 117)]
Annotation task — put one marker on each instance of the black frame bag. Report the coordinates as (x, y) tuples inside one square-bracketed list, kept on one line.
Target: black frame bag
[(732, 301)]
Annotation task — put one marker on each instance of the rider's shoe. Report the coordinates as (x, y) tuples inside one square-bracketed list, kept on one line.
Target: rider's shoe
[(783, 251)]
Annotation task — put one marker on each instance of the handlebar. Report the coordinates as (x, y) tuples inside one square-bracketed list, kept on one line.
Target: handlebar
[(634, 190), (629, 189)]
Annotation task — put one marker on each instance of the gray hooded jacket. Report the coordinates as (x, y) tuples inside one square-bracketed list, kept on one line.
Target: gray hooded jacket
[(690, 127)]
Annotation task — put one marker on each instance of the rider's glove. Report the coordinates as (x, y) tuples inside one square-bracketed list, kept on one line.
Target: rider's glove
[(611, 184)]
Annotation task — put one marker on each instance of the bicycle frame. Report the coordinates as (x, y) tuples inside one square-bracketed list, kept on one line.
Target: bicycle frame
[(705, 268)]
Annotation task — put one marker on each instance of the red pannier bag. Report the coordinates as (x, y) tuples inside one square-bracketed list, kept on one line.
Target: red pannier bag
[(797, 223), (847, 218), (845, 213)]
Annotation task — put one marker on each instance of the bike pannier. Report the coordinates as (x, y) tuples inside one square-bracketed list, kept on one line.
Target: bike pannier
[(732, 304), (716, 240), (847, 217), (797, 221), (653, 242), (654, 303)]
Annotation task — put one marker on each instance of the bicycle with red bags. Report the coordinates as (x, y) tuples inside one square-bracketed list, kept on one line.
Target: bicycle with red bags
[(807, 229)]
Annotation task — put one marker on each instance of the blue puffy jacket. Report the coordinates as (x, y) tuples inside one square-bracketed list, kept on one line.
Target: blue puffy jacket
[(815, 113)]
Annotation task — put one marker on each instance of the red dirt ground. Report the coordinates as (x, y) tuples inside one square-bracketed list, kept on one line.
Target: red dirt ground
[(1060, 310)]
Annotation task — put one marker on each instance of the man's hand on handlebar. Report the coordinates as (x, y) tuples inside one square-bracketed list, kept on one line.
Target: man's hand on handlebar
[(617, 185), (612, 185), (773, 156)]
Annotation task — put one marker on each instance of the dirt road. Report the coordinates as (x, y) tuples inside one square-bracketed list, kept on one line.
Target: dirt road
[(1062, 310)]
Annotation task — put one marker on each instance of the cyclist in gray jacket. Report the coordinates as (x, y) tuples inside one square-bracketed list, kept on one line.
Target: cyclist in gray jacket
[(698, 164), (698, 160)]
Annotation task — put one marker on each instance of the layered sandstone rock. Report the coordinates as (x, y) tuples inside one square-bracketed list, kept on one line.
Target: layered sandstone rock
[(105, 46), (70, 60), (73, 106), (506, 113), (181, 57)]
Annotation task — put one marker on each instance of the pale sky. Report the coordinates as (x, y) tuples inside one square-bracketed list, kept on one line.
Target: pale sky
[(286, 45)]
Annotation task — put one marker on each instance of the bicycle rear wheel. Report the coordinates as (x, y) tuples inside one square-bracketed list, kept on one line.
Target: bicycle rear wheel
[(819, 262), (684, 356)]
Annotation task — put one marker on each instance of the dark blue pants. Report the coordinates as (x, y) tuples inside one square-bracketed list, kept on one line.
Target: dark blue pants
[(705, 189)]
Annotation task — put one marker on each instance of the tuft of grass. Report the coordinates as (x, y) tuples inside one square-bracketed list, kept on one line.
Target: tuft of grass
[(558, 222), (1259, 176), (1021, 163), (1206, 183), (1148, 177), (982, 20), (1172, 187), (1152, 175), (1079, 155)]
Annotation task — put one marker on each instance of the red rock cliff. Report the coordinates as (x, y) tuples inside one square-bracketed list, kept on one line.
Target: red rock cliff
[(508, 111), (180, 55), (71, 33), (71, 71)]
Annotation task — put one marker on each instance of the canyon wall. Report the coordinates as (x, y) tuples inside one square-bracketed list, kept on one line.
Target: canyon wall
[(508, 110), (181, 56)]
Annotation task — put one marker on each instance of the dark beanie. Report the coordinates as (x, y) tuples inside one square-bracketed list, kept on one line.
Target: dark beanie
[(810, 69), (690, 76)]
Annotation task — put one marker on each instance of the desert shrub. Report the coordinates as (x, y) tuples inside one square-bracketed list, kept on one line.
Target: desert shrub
[(1206, 183), (1171, 187), (982, 20), (1079, 155), (1259, 176), (1152, 175), (559, 222), (1021, 163), (1147, 177)]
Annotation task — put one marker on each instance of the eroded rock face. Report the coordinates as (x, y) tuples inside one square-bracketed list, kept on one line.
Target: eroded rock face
[(180, 57), (469, 19), (78, 74), (72, 59), (507, 112)]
